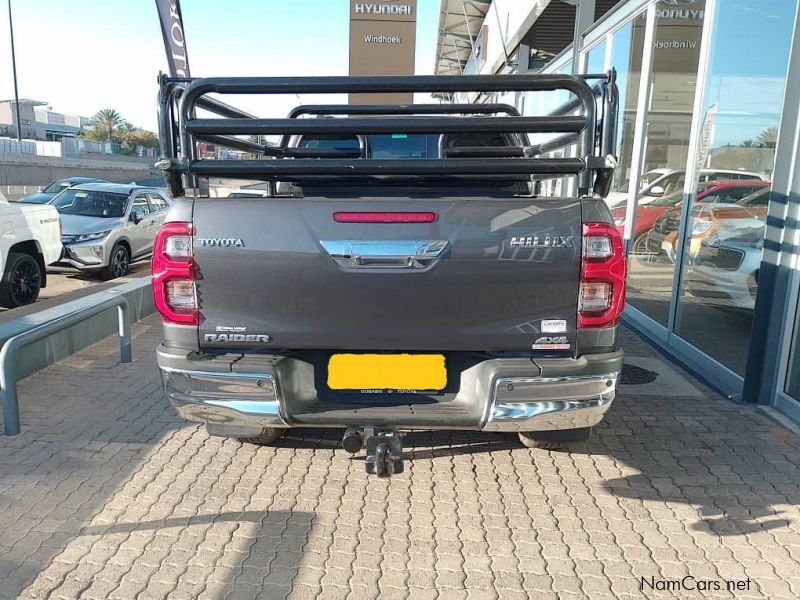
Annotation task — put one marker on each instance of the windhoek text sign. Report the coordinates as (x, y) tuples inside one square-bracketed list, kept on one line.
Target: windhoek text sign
[(382, 42)]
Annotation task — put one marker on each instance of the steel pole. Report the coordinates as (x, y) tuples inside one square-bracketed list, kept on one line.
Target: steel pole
[(14, 71), (8, 385), (124, 332)]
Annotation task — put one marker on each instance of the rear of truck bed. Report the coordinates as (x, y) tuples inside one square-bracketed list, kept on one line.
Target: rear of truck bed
[(378, 291)]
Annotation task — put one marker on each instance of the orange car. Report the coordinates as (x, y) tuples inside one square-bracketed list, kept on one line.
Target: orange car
[(708, 218)]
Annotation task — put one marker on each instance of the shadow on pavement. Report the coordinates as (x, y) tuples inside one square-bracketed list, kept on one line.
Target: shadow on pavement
[(712, 454)]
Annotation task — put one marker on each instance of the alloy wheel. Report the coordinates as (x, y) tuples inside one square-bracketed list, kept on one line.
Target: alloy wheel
[(25, 282), (119, 262)]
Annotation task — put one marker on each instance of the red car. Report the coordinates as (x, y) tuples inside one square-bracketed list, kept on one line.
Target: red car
[(728, 191)]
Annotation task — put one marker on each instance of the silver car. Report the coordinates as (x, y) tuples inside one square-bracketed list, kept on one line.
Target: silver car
[(107, 226), (725, 270)]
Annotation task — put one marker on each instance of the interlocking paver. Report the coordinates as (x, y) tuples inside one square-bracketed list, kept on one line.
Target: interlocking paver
[(107, 494)]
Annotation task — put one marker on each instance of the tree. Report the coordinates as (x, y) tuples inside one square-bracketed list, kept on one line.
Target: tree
[(95, 134), (748, 144), (768, 138), (108, 119), (142, 137)]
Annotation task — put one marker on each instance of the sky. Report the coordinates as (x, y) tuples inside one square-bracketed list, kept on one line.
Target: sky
[(82, 56)]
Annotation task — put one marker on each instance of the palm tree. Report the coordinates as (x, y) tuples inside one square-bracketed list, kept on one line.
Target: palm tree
[(768, 138), (108, 119)]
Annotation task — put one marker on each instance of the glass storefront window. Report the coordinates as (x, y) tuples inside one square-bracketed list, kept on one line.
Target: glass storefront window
[(628, 85), (793, 375), (676, 55), (596, 58), (742, 100), (540, 104)]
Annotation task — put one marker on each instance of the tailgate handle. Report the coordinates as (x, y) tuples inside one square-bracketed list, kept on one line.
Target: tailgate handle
[(382, 254)]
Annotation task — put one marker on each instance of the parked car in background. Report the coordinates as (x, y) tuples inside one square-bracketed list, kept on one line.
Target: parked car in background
[(49, 192), (657, 183), (647, 216), (30, 241), (724, 272), (154, 182), (248, 193), (736, 203), (107, 226)]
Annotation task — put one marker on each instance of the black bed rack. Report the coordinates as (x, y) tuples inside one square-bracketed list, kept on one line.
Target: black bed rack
[(590, 133)]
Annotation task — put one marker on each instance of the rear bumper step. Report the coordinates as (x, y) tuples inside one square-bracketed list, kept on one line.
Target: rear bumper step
[(236, 393)]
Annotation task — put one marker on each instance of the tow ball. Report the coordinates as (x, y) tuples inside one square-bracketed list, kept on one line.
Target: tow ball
[(384, 449)]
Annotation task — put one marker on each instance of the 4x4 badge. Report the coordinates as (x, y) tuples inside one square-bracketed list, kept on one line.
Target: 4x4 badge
[(546, 342)]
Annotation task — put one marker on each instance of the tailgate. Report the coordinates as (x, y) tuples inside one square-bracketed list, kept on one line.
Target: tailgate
[(282, 273)]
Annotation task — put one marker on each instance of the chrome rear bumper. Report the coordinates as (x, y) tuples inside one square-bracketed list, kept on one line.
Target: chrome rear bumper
[(546, 404), (494, 395)]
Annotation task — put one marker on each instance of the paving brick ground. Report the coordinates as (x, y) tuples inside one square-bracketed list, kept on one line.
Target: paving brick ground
[(106, 494)]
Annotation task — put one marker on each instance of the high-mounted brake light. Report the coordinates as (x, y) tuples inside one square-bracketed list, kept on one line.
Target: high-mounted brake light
[(603, 271), (173, 271), (384, 217)]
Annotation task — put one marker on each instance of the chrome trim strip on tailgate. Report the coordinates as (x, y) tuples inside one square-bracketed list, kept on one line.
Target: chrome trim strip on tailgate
[(380, 254)]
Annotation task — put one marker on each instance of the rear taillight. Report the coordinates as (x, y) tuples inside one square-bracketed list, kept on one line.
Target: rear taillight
[(603, 269), (173, 270)]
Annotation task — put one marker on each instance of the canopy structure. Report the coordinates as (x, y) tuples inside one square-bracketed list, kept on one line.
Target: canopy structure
[(459, 24)]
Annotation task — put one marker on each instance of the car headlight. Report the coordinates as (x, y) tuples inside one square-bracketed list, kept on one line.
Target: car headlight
[(619, 221), (700, 227), (91, 236)]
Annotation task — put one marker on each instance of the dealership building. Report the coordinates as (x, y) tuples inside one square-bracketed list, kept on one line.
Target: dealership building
[(708, 139)]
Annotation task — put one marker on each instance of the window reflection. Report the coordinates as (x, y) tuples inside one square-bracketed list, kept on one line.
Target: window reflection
[(676, 54), (722, 256)]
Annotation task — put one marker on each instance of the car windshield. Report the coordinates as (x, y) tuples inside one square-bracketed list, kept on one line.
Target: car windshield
[(672, 199), (758, 198), (676, 198), (90, 203), (650, 177), (404, 145), (398, 145), (56, 187)]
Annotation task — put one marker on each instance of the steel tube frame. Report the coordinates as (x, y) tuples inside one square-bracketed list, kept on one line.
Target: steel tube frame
[(407, 124), (428, 83), (402, 109), (277, 170), (8, 354)]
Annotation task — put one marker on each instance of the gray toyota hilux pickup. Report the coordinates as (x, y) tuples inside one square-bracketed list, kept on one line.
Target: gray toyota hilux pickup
[(403, 270)]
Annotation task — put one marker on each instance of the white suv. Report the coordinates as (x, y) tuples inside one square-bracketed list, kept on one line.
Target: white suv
[(29, 240)]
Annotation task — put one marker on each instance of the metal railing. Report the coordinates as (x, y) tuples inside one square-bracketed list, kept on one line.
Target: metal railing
[(8, 354)]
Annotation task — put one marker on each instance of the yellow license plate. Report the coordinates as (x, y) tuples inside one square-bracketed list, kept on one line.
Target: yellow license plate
[(387, 372)]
